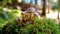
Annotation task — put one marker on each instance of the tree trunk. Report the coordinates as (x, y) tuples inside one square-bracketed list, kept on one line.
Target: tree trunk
[(36, 2), (58, 11), (49, 6), (44, 8), (58, 8), (14, 3)]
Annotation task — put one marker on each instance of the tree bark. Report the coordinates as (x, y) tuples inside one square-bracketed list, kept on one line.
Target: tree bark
[(49, 6), (36, 2), (14, 3), (58, 8), (44, 8)]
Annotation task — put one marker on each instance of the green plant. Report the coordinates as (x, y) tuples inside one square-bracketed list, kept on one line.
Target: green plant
[(10, 28), (47, 25), (40, 26)]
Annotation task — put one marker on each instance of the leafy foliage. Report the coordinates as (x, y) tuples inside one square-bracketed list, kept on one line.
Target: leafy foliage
[(11, 13), (10, 1), (55, 6), (47, 25), (40, 26)]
